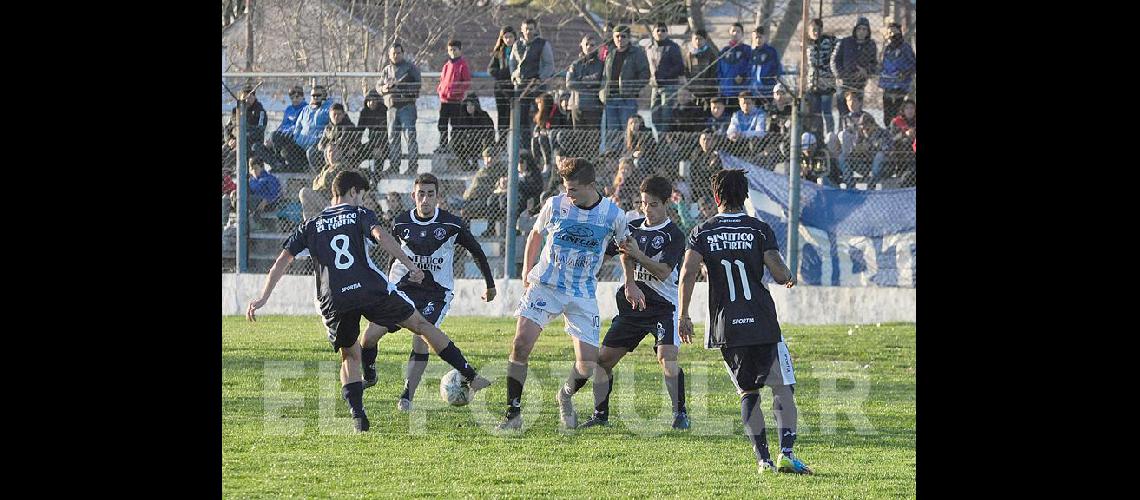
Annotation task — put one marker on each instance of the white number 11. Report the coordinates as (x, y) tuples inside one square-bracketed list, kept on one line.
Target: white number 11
[(743, 280)]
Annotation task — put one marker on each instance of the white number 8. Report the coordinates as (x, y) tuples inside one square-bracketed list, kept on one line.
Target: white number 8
[(341, 251)]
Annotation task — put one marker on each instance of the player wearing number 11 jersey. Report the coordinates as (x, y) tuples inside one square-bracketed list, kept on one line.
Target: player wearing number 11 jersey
[(734, 248)]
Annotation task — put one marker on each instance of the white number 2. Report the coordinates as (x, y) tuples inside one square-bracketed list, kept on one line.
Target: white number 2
[(342, 251), (743, 280)]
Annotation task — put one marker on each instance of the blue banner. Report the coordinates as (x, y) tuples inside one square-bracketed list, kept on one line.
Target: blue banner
[(846, 237)]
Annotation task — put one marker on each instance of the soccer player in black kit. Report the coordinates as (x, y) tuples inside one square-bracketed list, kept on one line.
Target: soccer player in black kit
[(428, 236), (657, 255), (735, 248), (349, 286)]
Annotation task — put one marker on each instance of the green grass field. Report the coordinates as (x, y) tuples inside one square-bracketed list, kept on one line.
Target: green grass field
[(286, 432)]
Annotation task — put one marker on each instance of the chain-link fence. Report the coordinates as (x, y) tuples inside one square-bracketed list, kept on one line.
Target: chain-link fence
[(857, 131)]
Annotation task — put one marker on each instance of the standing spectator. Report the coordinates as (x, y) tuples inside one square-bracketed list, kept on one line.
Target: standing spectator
[(583, 78), (607, 41), (374, 119), (719, 117), (766, 68), (454, 80), (734, 67), (255, 122), (666, 66), (310, 125), (500, 69), (284, 133), (474, 131), (898, 63), (342, 134), (532, 64), (820, 80), (701, 67), (400, 86), (626, 73), (854, 61), (747, 127)]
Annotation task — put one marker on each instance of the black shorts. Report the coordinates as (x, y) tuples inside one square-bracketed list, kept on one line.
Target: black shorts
[(754, 366), (628, 332), (344, 328), (433, 306)]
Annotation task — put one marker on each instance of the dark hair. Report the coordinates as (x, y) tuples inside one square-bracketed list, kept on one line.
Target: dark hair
[(738, 25), (621, 28), (818, 22), (531, 21), (455, 43), (609, 25), (745, 93), (702, 33), (398, 46), (660, 25), (297, 90), (346, 180), (543, 104), (718, 100), (499, 41), (338, 106), (730, 187), (578, 170), (853, 93), (426, 178), (658, 187), (759, 30)]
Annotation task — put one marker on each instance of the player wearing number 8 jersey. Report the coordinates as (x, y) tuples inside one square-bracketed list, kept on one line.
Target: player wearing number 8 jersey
[(735, 248), (350, 286)]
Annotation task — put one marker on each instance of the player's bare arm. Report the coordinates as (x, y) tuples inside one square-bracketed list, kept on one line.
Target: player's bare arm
[(284, 260), (779, 270), (633, 293), (659, 269), (530, 256), (689, 270), (389, 244)]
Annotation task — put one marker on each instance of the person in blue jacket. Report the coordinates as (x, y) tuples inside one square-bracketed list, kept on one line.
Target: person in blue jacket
[(734, 68), (766, 68), (897, 73), (284, 133), (311, 125)]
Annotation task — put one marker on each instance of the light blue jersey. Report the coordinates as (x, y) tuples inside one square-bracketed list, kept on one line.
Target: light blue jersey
[(575, 243)]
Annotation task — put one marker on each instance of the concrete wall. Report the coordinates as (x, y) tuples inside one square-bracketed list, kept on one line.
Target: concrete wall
[(799, 305)]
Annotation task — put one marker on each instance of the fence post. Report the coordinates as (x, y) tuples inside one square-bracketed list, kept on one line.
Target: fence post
[(242, 168), (794, 191), (512, 190)]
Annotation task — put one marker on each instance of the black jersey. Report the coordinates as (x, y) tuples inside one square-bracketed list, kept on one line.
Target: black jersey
[(337, 239), (662, 243), (431, 246), (740, 308)]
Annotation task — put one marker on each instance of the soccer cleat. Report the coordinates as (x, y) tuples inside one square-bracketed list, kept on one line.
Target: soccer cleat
[(766, 465), (680, 420), (360, 423), (510, 423), (369, 377), (566, 412), (477, 384), (789, 463), (404, 404), (596, 420)]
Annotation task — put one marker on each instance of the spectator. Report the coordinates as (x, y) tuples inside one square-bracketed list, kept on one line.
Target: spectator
[(904, 135), (626, 73), (530, 183), (766, 69), (869, 152), (747, 126), (666, 66), (688, 116), (854, 60), (374, 119), (639, 142), (607, 41), (682, 211), (544, 139), (625, 189), (228, 189), (264, 190), (284, 134), (820, 80), (734, 67), (532, 64), (701, 67), (342, 134), (316, 199), (850, 122), (500, 69), (394, 207), (706, 206), (719, 118), (898, 63), (454, 80), (230, 143), (400, 86), (255, 122), (310, 125), (583, 78), (704, 162), (473, 131), (816, 164), (779, 117), (480, 191)]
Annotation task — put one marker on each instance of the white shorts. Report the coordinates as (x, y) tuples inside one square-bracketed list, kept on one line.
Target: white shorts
[(541, 303)]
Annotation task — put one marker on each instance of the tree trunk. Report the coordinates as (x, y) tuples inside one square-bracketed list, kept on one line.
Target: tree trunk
[(787, 27), (696, 14), (886, 9), (764, 17), (248, 36), (907, 22)]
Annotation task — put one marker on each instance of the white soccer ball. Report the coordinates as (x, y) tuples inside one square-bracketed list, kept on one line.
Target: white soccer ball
[(452, 391)]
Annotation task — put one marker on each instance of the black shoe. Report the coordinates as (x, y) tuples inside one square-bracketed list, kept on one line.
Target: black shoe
[(596, 420), (369, 377), (680, 420), (360, 423)]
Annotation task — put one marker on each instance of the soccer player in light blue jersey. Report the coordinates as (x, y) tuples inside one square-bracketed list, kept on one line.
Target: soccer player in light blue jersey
[(560, 277)]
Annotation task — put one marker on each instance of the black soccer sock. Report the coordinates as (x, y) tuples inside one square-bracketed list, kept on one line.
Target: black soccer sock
[(679, 403), (784, 406), (368, 357), (575, 381), (516, 377), (754, 425), (602, 408), (354, 394), (454, 357), (417, 363), (671, 384)]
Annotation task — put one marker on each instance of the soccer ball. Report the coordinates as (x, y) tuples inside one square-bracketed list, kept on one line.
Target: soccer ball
[(452, 391)]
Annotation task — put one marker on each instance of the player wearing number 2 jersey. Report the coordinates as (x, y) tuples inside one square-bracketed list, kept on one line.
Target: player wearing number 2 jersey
[(735, 248), (350, 286)]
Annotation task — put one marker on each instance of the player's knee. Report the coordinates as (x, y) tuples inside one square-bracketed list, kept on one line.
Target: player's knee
[(419, 344), (520, 349)]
